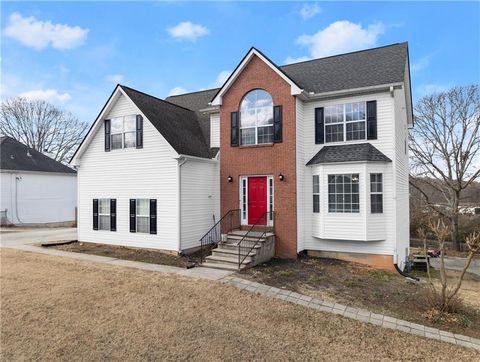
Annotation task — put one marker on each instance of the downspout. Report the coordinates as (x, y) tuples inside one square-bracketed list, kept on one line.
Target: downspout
[(17, 179), (181, 162)]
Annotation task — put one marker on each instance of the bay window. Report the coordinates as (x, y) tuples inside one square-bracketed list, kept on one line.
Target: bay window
[(343, 193), (376, 193), (316, 194)]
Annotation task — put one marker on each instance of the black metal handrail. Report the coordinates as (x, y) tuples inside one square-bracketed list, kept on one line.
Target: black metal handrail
[(243, 248), (228, 222)]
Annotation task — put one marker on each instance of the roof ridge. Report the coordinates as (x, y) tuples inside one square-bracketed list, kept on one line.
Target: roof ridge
[(342, 54), (199, 91), (157, 98)]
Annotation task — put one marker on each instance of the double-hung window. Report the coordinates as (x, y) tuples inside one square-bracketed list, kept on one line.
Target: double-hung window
[(345, 122), (123, 132), (343, 193), (376, 193), (103, 214), (316, 193), (143, 216)]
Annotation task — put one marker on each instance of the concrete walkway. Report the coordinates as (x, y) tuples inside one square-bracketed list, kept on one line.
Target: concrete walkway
[(24, 236), (227, 277)]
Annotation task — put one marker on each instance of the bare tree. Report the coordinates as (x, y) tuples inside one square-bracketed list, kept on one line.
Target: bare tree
[(445, 299), (445, 145), (42, 126)]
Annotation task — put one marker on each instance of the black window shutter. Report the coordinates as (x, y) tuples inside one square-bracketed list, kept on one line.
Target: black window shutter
[(139, 139), (133, 215), (277, 124), (234, 129), (319, 131), (107, 135), (95, 214), (371, 120), (153, 216), (113, 214)]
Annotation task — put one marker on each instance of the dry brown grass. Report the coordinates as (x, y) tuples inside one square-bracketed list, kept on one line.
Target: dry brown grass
[(60, 309)]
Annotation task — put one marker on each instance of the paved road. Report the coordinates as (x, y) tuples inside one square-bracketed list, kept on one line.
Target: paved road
[(18, 237), (454, 263)]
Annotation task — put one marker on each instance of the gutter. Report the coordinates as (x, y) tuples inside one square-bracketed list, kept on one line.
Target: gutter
[(195, 158), (311, 96)]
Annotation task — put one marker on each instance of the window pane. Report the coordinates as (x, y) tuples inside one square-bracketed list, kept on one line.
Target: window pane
[(130, 123), (143, 207), (376, 205), (104, 206), (265, 134), (264, 116), (130, 139), (316, 184), (343, 193), (116, 141), (143, 224), (104, 222), (334, 133), (355, 131), (116, 125), (248, 136), (316, 203), (247, 117)]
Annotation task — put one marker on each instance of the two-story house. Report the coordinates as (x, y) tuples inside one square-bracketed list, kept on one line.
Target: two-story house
[(316, 150)]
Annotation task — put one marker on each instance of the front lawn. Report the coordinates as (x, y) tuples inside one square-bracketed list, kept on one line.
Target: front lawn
[(364, 287), (55, 308)]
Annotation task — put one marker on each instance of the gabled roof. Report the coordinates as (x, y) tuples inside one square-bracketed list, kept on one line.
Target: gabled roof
[(178, 125), (18, 157), (365, 68), (360, 69), (197, 101), (361, 152)]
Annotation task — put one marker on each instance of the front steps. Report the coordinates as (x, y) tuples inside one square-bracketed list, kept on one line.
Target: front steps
[(225, 255)]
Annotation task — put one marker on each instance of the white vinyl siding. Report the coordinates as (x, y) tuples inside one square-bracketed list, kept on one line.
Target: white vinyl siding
[(200, 200), (346, 232), (215, 130), (150, 173)]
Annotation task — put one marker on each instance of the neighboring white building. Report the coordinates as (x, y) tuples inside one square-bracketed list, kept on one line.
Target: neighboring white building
[(35, 189), (320, 144)]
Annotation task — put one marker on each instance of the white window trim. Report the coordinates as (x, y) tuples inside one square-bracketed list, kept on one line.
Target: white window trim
[(137, 215), (376, 192), (359, 194), (109, 214), (344, 122), (123, 133), (316, 194), (270, 207)]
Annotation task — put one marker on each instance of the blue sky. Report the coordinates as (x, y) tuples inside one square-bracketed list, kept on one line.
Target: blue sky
[(73, 54)]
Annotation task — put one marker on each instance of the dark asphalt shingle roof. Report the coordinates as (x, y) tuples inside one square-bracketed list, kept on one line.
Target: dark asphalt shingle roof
[(348, 153), (16, 156), (180, 126), (197, 101), (384, 65)]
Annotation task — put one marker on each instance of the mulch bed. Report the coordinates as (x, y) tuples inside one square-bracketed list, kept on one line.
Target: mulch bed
[(127, 253), (362, 287)]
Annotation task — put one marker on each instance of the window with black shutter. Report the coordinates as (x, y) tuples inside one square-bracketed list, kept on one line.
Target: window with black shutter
[(372, 120), (234, 129), (107, 135), (133, 214), (319, 129), (139, 138), (113, 215), (277, 124), (153, 216)]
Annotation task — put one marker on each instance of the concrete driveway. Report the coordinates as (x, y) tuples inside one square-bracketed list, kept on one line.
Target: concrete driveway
[(454, 263), (12, 237)]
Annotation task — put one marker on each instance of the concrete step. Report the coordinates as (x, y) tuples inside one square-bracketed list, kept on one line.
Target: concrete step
[(231, 259), (220, 251), (253, 234), (234, 247), (223, 266)]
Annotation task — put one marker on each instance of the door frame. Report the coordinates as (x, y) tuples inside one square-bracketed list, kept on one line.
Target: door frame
[(243, 197)]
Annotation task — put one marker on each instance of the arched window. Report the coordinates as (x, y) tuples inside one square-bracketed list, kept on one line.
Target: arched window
[(256, 118)]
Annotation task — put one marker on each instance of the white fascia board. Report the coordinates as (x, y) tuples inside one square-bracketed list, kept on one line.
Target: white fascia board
[(294, 89), (200, 159), (349, 92)]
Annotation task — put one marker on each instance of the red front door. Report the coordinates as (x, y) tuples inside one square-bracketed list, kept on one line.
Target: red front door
[(257, 200)]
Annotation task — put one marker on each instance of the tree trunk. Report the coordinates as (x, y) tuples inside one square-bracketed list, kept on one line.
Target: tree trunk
[(454, 222)]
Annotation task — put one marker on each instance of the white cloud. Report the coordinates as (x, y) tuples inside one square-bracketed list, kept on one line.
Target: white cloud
[(40, 34), (309, 11), (427, 89), (114, 78), (187, 30), (341, 37), (49, 95), (176, 91), (420, 64), (222, 78)]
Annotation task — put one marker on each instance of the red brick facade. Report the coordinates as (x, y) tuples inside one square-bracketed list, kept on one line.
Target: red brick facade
[(279, 158)]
